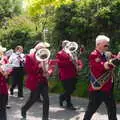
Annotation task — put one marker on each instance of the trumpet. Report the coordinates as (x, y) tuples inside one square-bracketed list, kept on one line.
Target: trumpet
[(43, 55)]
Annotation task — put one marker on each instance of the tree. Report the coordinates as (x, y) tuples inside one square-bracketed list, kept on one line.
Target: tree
[(8, 9), (20, 31), (82, 21), (36, 7)]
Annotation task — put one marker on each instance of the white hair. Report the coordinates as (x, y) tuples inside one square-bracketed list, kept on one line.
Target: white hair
[(101, 38)]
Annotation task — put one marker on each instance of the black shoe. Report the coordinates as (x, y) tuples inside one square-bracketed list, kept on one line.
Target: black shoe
[(71, 107), (11, 91), (45, 118), (23, 113), (8, 106), (60, 102)]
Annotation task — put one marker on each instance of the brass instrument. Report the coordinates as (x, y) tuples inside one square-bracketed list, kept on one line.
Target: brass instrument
[(113, 61), (71, 48), (43, 56)]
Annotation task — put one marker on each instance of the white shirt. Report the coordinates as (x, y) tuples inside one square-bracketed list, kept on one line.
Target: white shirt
[(15, 59)]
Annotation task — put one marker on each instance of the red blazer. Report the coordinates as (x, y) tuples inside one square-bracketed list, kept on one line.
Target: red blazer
[(96, 65), (34, 72), (67, 69), (3, 85)]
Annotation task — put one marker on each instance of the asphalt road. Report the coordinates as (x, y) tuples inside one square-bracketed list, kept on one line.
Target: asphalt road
[(55, 113)]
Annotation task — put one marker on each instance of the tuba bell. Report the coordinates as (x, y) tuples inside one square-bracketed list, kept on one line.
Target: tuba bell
[(43, 55), (71, 47)]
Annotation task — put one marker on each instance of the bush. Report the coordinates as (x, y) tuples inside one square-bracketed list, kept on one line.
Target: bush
[(20, 31)]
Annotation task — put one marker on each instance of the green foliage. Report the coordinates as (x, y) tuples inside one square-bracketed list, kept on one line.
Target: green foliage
[(55, 86), (81, 87), (8, 9), (20, 31), (36, 7)]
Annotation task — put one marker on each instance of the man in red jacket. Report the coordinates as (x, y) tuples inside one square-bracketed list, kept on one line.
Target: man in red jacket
[(3, 94), (100, 91), (3, 90), (36, 82), (67, 75)]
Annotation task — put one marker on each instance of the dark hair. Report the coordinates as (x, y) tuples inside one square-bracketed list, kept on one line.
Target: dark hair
[(36, 42), (18, 47)]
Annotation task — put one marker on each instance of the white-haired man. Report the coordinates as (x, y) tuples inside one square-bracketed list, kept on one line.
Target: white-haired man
[(101, 80)]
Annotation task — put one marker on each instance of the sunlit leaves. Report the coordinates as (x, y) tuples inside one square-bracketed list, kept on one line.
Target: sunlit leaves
[(35, 7)]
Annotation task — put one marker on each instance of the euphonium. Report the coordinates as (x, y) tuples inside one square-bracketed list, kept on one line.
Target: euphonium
[(43, 56), (71, 48)]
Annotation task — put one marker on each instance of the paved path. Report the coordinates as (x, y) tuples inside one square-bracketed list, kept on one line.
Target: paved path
[(56, 113)]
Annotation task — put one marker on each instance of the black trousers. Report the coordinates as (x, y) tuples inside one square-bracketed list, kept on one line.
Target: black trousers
[(69, 87), (17, 80), (95, 100), (34, 95), (3, 102)]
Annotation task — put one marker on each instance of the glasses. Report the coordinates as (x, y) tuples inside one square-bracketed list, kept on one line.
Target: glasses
[(106, 45)]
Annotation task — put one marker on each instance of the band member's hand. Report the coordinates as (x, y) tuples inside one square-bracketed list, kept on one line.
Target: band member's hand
[(50, 71), (1, 71), (118, 55), (106, 65), (46, 74), (78, 68), (40, 65), (5, 74)]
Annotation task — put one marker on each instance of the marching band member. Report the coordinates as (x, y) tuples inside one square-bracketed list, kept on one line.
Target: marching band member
[(4, 61), (101, 80), (3, 94), (3, 90), (36, 82), (67, 75), (17, 59)]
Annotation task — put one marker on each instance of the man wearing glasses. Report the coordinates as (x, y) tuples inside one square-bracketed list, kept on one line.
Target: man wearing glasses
[(101, 80)]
